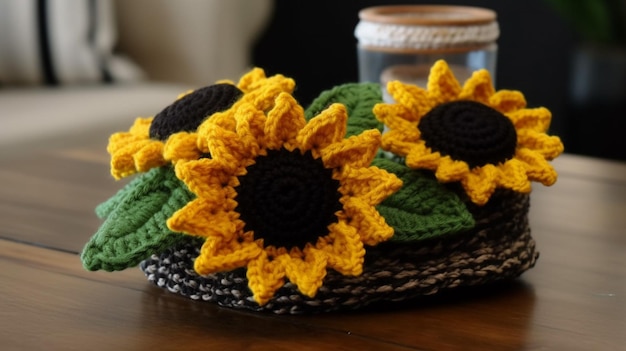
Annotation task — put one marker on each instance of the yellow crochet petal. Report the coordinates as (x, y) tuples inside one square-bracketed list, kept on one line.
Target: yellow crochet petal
[(357, 150), (253, 76), (537, 167), (327, 128), (507, 101), (450, 170), (141, 127), (537, 119), (223, 119), (400, 141), (404, 138), (265, 276), (264, 97), (221, 212), (149, 156), (284, 83), (181, 147), (207, 177), (120, 140), (547, 146), (250, 124), (421, 157), (261, 91), (411, 97), (478, 87), (442, 84), (371, 184), (227, 146), (255, 80), (203, 217), (283, 123), (220, 255), (308, 273), (513, 176), (370, 225), (134, 151), (140, 130), (480, 183), (396, 116), (122, 160), (346, 253)]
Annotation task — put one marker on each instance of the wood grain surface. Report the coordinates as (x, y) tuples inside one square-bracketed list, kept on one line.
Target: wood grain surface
[(574, 299)]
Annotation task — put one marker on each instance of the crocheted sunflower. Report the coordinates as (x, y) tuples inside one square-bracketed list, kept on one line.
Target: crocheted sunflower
[(284, 197), (469, 134), (155, 141)]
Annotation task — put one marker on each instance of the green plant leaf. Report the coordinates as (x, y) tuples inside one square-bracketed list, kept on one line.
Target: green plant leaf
[(359, 99), (422, 208), (135, 225), (593, 19)]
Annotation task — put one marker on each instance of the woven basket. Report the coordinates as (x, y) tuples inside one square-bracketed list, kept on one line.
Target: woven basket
[(499, 247)]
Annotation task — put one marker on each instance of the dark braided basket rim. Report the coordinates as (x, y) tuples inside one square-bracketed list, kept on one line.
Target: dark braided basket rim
[(499, 247)]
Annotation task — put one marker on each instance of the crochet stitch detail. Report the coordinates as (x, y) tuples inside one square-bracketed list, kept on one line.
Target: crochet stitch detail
[(135, 151), (469, 131), (135, 224), (255, 133), (422, 208), (417, 37), (186, 113), (359, 99), (266, 206), (275, 197), (533, 149)]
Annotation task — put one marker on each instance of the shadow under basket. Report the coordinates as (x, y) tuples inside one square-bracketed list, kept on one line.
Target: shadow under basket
[(499, 247)]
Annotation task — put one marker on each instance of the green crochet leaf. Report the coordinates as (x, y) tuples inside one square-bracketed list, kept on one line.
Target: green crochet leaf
[(422, 208), (359, 99), (135, 225), (104, 209)]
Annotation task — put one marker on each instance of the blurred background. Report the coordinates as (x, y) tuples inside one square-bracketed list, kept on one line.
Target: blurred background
[(566, 55), (93, 60)]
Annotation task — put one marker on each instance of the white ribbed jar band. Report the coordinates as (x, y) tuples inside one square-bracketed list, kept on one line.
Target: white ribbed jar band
[(426, 28), (424, 37)]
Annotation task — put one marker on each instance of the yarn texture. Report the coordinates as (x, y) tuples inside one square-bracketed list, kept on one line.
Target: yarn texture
[(359, 100), (500, 247), (422, 208), (173, 136), (326, 238), (416, 37), (134, 226), (480, 154), (243, 198), (188, 112)]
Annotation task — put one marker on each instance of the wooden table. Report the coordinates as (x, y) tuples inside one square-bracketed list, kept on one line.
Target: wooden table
[(574, 299)]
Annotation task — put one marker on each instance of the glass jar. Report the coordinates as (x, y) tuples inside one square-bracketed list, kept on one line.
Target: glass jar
[(402, 42)]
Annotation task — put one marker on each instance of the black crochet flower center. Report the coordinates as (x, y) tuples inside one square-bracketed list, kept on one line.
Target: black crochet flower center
[(288, 198), (188, 112), (469, 131)]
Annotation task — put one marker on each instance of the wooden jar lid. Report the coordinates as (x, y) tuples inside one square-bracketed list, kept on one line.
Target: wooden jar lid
[(428, 15), (426, 28)]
